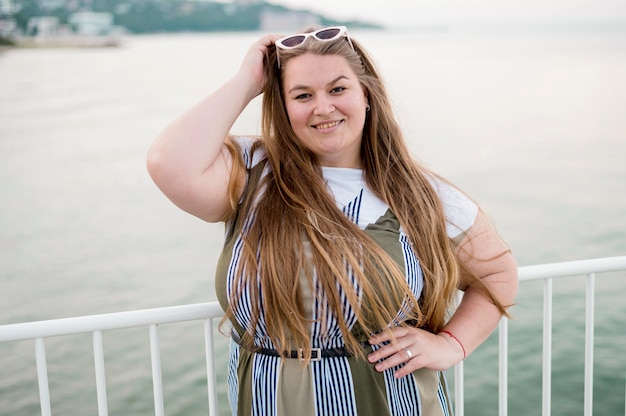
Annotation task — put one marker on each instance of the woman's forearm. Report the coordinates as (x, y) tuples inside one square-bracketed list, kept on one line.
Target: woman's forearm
[(476, 316)]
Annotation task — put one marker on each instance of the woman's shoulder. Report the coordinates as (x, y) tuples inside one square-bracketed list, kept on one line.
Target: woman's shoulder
[(251, 149), (459, 209)]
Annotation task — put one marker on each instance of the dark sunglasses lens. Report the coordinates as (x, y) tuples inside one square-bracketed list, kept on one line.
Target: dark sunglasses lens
[(292, 41), (327, 34)]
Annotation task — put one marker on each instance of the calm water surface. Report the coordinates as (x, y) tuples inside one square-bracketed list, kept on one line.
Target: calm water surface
[(531, 124)]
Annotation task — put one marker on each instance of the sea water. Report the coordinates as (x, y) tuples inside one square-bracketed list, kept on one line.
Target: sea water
[(529, 122)]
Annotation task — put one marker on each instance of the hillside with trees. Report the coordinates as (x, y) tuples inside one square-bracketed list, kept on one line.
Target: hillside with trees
[(155, 16)]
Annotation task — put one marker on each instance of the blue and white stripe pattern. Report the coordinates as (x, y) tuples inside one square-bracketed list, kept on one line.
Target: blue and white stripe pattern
[(443, 398), (265, 379), (332, 384), (333, 387), (402, 394), (232, 379), (353, 208), (414, 277)]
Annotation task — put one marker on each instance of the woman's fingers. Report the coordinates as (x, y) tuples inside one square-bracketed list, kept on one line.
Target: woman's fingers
[(254, 60), (410, 349)]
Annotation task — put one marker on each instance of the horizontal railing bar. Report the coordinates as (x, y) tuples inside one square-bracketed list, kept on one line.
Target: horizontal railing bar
[(109, 321), (571, 268), (198, 311)]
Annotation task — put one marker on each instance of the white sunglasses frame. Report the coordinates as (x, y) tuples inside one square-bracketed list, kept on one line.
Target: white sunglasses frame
[(343, 31)]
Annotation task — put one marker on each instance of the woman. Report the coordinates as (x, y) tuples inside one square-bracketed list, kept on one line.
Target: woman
[(342, 254)]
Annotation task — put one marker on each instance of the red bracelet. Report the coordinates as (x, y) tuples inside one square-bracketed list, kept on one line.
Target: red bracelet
[(456, 339)]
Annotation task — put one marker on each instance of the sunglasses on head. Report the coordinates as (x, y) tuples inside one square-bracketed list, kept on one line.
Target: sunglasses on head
[(326, 34)]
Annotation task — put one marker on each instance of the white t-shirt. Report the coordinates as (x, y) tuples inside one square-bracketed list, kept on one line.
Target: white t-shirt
[(348, 186)]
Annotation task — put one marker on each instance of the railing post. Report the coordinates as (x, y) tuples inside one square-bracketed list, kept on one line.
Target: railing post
[(503, 368), (101, 386), (459, 381), (210, 366), (546, 398), (157, 379), (589, 334), (42, 377), (459, 395)]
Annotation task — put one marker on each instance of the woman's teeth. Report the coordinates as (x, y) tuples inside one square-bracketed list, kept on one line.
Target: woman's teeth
[(327, 125)]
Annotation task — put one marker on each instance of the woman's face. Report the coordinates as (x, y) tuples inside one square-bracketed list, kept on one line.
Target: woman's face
[(326, 106)]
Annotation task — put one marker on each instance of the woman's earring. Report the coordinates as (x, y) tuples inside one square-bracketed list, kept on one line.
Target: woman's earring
[(367, 108)]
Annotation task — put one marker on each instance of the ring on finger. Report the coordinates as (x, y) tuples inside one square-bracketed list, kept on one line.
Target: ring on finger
[(408, 353)]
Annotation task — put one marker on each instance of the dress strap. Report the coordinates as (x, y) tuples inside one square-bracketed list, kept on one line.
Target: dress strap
[(254, 177)]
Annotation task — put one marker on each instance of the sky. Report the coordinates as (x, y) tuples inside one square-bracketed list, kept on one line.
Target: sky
[(400, 13)]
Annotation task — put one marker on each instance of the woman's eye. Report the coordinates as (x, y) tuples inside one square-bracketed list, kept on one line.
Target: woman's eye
[(302, 96), (337, 90)]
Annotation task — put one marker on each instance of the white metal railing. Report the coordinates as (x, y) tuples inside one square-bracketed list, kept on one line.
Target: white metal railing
[(96, 324), (547, 273)]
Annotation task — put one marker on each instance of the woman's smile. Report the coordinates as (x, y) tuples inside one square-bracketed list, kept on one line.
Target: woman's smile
[(327, 125)]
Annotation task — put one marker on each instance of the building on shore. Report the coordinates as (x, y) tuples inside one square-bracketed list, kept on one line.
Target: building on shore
[(83, 29), (7, 7), (8, 24), (91, 23)]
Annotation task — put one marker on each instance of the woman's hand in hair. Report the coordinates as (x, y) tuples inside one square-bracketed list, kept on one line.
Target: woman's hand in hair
[(252, 65)]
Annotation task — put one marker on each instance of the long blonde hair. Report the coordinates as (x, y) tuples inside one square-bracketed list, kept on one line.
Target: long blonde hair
[(295, 209)]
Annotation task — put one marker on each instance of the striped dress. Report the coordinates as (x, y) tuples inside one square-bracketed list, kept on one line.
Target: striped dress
[(265, 385)]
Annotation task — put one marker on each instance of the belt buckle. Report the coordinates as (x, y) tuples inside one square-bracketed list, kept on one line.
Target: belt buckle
[(314, 351)]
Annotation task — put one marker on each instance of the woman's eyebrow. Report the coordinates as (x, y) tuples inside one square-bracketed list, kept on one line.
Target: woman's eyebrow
[(304, 87)]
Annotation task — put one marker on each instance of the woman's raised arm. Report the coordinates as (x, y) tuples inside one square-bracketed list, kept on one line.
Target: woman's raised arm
[(188, 160)]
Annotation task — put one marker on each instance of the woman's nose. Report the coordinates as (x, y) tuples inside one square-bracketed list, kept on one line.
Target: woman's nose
[(323, 105)]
